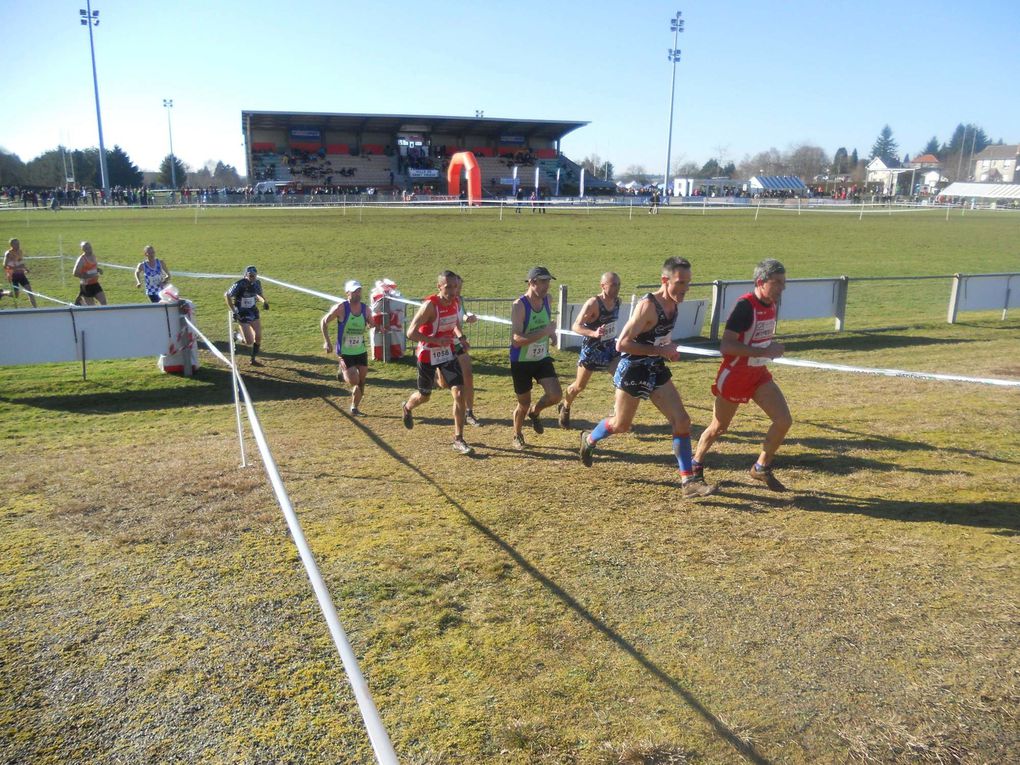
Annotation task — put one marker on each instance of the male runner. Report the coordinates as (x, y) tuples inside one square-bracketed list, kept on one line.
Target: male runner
[(747, 345), (597, 322), (154, 272), (532, 327), (243, 298), (351, 316), (87, 271), (644, 343), (434, 327)]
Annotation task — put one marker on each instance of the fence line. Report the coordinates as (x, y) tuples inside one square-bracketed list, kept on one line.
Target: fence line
[(384, 752)]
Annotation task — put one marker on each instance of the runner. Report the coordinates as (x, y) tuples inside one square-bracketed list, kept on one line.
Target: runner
[(16, 270), (748, 343), (351, 316), (460, 350), (532, 327), (154, 272), (597, 322), (243, 298), (645, 342), (87, 271), (434, 328)]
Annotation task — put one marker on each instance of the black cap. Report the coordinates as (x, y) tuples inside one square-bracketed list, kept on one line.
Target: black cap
[(539, 272), (250, 270)]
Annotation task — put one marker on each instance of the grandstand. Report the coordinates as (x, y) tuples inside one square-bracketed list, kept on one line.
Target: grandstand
[(401, 152)]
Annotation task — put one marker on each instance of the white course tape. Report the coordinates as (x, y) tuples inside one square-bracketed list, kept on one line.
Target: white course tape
[(45, 297), (373, 724), (865, 370)]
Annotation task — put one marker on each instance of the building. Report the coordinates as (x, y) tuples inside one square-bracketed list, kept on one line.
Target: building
[(998, 164)]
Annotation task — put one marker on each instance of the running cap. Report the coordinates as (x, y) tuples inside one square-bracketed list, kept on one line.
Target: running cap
[(250, 270), (352, 284), (539, 272)]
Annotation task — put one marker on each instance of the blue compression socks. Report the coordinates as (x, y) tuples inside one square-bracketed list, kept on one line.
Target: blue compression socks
[(601, 431), (684, 455)]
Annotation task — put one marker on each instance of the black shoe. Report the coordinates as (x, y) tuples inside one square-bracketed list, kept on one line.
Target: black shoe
[(408, 419), (765, 476), (587, 448), (536, 423)]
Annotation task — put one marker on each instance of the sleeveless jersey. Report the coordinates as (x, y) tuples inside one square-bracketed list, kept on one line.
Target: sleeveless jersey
[(533, 320), (17, 267), (91, 273), (439, 348), (759, 335), (243, 293), (607, 317), (350, 333), (152, 276), (660, 334)]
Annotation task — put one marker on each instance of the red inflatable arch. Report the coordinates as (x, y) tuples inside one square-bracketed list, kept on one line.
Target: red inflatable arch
[(465, 161)]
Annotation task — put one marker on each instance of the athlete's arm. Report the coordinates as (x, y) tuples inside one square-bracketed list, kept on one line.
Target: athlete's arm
[(333, 313), (731, 346), (77, 273), (642, 320), (426, 314), (166, 271), (138, 275), (589, 311), (519, 339)]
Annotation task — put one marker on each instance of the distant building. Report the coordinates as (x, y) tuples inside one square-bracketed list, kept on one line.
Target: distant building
[(998, 164)]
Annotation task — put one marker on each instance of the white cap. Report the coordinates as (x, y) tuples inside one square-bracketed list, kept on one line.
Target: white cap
[(352, 284)]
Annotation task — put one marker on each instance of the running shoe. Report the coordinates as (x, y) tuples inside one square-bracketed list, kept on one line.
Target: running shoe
[(766, 477), (408, 419), (536, 423), (470, 419), (587, 448), (564, 416), (518, 442), (696, 487), (355, 412), (461, 447), (238, 337), (256, 363), (340, 377)]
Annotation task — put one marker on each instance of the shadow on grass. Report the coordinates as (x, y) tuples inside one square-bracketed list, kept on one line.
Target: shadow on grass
[(862, 341), (993, 515), (745, 748)]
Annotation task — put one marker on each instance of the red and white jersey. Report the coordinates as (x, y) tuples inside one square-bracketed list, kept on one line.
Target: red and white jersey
[(439, 348), (755, 325)]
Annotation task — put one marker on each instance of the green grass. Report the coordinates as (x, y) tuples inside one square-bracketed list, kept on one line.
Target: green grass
[(515, 608)]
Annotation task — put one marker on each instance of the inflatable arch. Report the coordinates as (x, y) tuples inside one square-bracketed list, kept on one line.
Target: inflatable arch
[(465, 161)]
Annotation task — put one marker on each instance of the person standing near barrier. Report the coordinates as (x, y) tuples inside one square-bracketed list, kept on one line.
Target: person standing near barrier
[(153, 272), (242, 299), (87, 271), (351, 316), (646, 344), (748, 343), (597, 323), (16, 270), (434, 328), (531, 329)]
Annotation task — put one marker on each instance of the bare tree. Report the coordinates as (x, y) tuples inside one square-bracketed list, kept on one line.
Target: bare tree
[(807, 161)]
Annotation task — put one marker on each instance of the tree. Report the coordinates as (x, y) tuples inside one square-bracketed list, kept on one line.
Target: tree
[(932, 147), (807, 161), (12, 169), (853, 159), (166, 177), (885, 147), (686, 170), (45, 170), (227, 175), (840, 162), (770, 162), (595, 165), (635, 173), (710, 169), (123, 172)]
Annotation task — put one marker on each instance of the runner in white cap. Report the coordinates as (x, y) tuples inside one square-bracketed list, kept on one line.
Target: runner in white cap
[(351, 316)]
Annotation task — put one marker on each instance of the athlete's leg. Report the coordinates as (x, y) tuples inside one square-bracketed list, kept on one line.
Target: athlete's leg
[(458, 411), (579, 384), (625, 407), (101, 297), (667, 400), (469, 381), (771, 400), (722, 416), (551, 394), (521, 411), (248, 333)]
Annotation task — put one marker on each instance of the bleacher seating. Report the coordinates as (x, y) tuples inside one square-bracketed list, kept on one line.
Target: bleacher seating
[(340, 170)]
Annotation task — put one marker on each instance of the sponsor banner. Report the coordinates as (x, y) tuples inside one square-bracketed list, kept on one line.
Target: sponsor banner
[(514, 139), (507, 181), (306, 134), (413, 172)]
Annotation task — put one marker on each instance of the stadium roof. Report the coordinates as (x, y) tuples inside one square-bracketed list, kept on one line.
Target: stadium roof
[(982, 190), (551, 130), (777, 182)]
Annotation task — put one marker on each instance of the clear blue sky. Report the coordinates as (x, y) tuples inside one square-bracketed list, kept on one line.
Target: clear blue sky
[(753, 74)]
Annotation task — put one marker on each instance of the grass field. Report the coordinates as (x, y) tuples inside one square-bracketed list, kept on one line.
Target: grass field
[(515, 607)]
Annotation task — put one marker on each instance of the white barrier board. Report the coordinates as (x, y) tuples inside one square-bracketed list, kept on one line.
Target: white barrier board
[(690, 321), (802, 299), (47, 335), (988, 292)]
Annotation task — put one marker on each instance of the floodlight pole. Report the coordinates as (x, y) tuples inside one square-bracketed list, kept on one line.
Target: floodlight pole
[(168, 103), (676, 24), (90, 18)]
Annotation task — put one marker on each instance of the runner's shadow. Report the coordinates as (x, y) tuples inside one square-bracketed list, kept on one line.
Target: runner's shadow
[(743, 747)]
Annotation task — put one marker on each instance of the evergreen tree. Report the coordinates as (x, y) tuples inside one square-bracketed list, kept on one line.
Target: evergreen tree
[(840, 162), (932, 147), (166, 177), (710, 169), (853, 159), (885, 147), (12, 169), (226, 175), (123, 172)]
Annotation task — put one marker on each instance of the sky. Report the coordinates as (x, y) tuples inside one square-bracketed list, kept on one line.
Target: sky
[(753, 74)]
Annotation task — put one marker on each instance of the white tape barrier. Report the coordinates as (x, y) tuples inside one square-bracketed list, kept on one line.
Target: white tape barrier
[(45, 297), (864, 370), (484, 317), (384, 752)]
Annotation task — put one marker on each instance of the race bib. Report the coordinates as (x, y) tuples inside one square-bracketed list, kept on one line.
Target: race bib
[(664, 340), (758, 361), (440, 355), (247, 302), (354, 341), (610, 330), (536, 352)]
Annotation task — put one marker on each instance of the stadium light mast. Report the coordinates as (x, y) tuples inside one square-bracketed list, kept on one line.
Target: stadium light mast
[(168, 104), (90, 18), (676, 26)]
